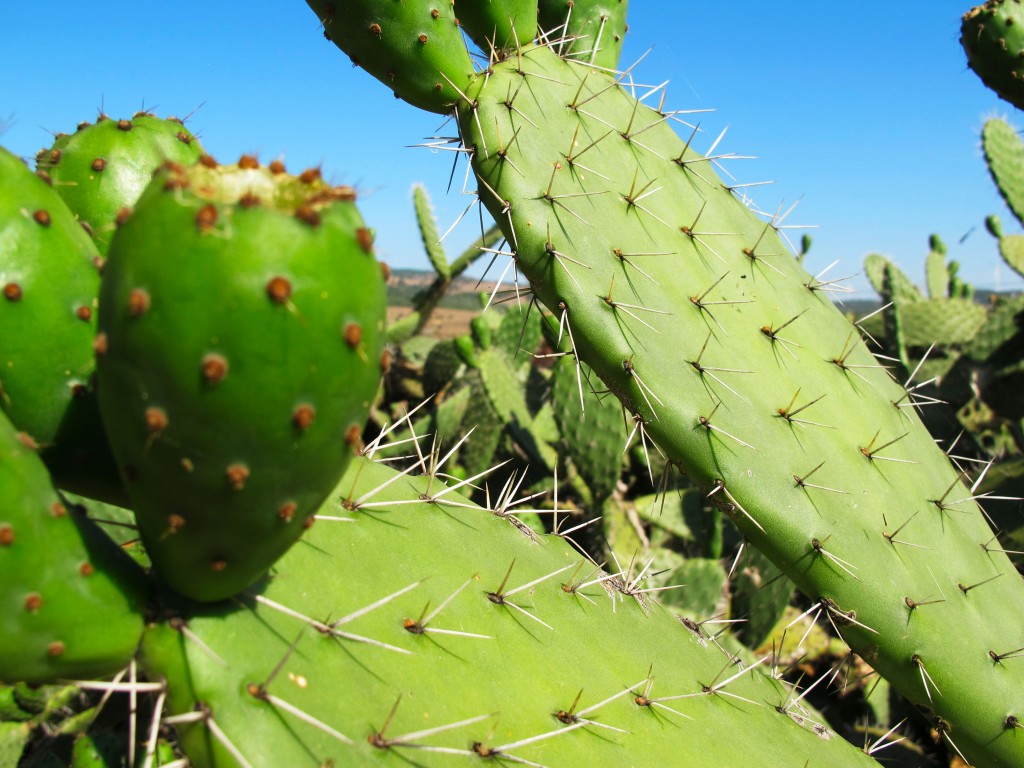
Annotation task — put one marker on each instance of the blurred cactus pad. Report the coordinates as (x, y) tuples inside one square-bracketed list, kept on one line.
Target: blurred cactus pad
[(992, 36)]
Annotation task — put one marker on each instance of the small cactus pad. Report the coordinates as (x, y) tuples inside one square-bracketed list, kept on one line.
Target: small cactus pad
[(49, 280), (992, 35), (414, 47), (470, 643), (102, 167), (241, 339), (737, 364), (70, 601)]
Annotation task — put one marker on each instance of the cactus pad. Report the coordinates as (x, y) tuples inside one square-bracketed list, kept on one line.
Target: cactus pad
[(510, 649), (102, 167), (241, 333), (71, 601), (736, 363), (992, 35), (49, 279), (414, 47)]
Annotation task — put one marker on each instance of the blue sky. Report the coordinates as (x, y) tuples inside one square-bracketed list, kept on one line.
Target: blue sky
[(866, 112)]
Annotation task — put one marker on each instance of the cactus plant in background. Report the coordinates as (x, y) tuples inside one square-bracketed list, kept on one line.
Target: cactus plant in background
[(72, 601), (446, 272), (733, 360), (50, 278), (102, 168), (508, 613)]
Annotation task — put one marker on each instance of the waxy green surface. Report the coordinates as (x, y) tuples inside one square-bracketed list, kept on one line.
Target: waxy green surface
[(695, 314), (242, 321)]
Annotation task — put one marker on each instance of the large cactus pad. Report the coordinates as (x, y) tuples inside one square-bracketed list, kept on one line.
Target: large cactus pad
[(241, 333), (735, 361)]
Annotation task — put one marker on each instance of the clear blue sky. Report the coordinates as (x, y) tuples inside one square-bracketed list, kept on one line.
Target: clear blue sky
[(866, 110)]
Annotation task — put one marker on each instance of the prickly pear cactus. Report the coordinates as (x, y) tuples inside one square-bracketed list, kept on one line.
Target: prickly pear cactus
[(239, 348), (72, 602), (335, 660), (734, 360), (738, 365), (590, 429), (50, 280), (1004, 153), (590, 31), (499, 24), (414, 47), (102, 167), (725, 351), (992, 36)]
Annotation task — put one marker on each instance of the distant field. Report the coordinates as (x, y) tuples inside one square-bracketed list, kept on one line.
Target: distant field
[(445, 323)]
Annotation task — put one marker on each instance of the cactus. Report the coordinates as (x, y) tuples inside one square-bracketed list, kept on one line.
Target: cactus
[(499, 24), (590, 430), (992, 36), (49, 278), (413, 47), (507, 613), (426, 301), (732, 359), (72, 601), (1004, 153), (240, 344), (590, 31), (936, 270), (102, 168)]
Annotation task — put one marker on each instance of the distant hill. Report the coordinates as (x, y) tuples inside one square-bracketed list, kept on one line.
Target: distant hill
[(463, 293)]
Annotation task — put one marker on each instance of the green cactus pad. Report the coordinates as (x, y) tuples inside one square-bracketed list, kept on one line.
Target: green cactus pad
[(49, 278), (1011, 248), (503, 387), (992, 36), (428, 232), (944, 322), (414, 47), (594, 29), (478, 451), (72, 603), (592, 430), (504, 650), (519, 334), (737, 364), (936, 274), (102, 167), (498, 25), (1000, 341), (1004, 153), (440, 367), (241, 332)]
